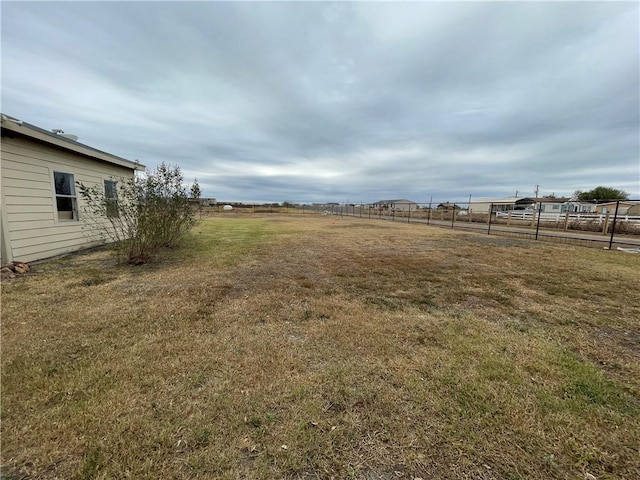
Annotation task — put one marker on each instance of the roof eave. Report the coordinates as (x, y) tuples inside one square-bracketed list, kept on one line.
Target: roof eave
[(31, 131)]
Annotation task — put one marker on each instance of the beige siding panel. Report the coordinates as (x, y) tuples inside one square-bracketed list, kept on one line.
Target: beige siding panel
[(25, 208), (30, 254), (88, 180), (27, 185), (32, 225), (10, 173), (19, 150), (59, 160), (51, 247), (10, 191), (51, 230), (67, 238), (20, 200), (17, 163), (27, 217)]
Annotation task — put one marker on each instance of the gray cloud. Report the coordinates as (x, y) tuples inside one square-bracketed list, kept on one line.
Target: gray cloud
[(329, 101)]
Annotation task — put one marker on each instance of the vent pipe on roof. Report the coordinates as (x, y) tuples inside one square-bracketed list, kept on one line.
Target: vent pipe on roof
[(68, 136)]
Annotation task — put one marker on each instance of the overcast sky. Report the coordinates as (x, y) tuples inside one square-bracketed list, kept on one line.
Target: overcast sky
[(313, 102)]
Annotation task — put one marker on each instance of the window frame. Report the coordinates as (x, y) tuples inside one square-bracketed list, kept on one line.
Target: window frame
[(111, 202), (73, 196)]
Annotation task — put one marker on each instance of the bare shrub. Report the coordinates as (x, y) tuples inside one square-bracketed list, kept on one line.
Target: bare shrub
[(147, 214)]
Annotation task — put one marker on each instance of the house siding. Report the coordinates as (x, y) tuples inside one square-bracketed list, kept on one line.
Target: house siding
[(32, 230), (610, 207), (483, 206), (403, 205)]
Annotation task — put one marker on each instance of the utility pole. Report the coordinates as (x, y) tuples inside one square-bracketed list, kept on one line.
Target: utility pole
[(537, 188)]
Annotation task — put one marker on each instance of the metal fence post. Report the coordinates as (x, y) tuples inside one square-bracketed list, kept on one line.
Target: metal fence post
[(453, 214), (490, 212), (613, 225), (409, 217), (429, 212), (538, 222)]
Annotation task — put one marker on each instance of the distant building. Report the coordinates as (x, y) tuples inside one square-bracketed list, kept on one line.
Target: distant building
[(483, 205), (542, 204), (624, 207), (399, 205)]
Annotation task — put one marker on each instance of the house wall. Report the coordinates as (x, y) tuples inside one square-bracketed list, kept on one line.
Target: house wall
[(480, 207), (578, 207), (484, 207), (31, 228), (552, 207), (400, 206), (610, 207), (404, 207)]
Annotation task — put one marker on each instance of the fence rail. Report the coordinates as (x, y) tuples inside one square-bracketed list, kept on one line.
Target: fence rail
[(571, 217)]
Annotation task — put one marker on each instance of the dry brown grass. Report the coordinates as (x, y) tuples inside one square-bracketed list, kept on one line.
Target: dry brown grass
[(323, 347)]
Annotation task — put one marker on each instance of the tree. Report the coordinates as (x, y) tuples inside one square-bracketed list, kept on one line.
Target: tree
[(151, 212), (601, 193), (194, 191), (194, 195)]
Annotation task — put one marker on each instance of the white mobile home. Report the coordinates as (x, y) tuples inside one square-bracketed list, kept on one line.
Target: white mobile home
[(40, 207), (483, 205), (400, 205)]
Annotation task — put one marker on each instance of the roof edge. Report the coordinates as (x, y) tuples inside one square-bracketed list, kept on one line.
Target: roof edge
[(32, 131)]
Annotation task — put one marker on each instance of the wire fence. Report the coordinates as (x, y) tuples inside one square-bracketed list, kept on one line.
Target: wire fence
[(602, 224)]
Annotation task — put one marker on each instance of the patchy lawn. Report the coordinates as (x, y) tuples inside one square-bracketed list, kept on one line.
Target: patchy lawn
[(321, 347)]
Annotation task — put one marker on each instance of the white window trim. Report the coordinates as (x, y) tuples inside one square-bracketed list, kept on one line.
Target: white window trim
[(104, 188), (74, 199)]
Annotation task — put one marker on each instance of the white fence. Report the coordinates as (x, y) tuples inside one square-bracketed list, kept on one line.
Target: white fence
[(572, 217)]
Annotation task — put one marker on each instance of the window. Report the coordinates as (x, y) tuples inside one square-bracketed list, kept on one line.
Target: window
[(556, 207), (111, 198), (65, 196)]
